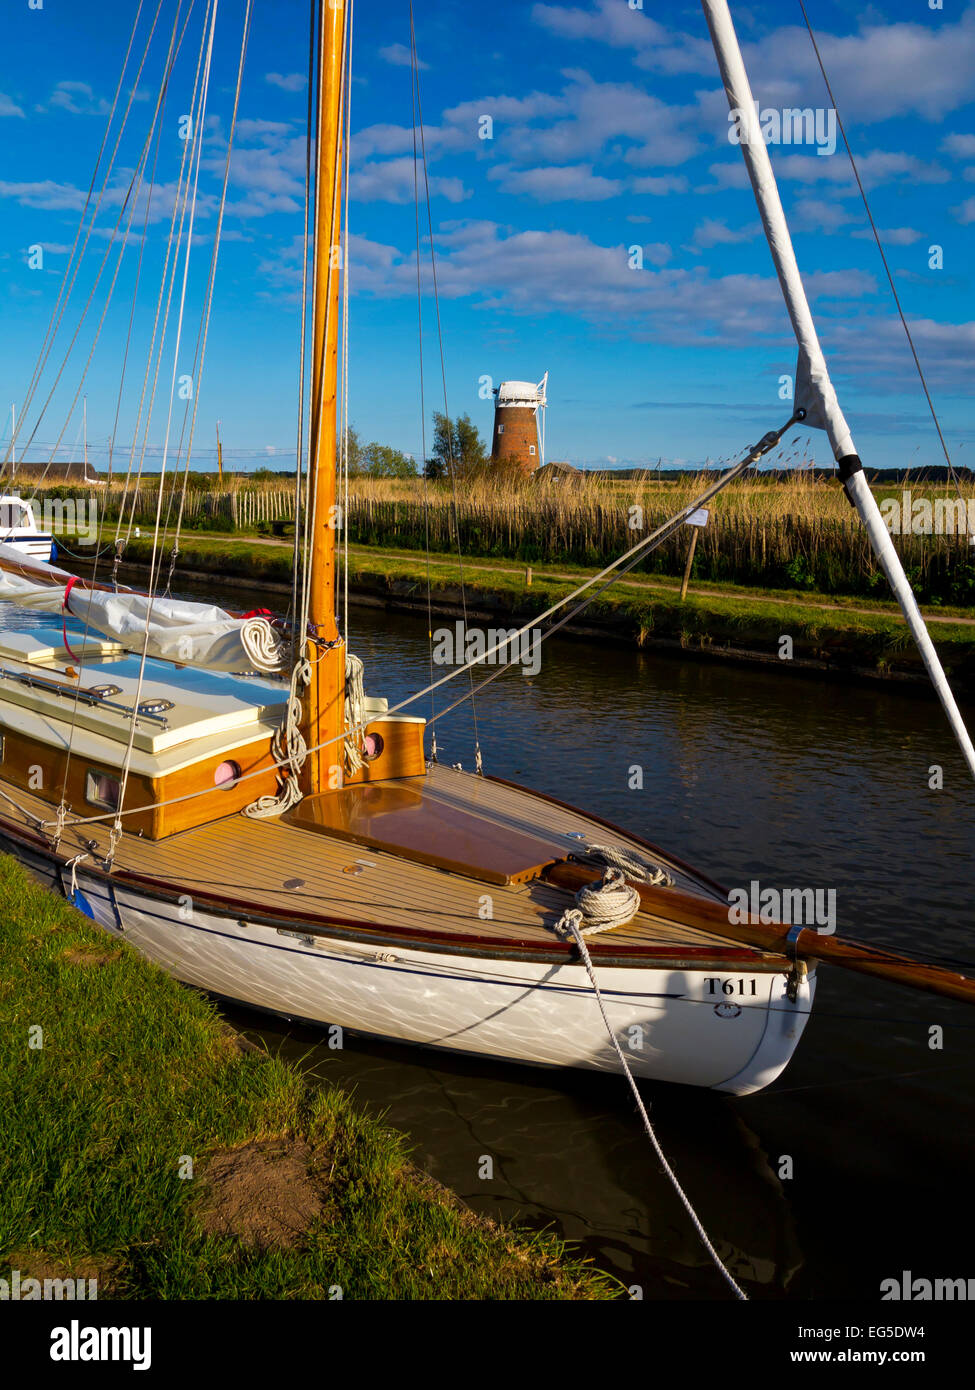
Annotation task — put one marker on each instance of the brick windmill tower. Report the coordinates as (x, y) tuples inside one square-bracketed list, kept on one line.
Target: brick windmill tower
[(516, 409)]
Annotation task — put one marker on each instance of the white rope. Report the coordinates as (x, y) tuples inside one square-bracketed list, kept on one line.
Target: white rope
[(355, 711), (72, 864), (572, 925), (632, 864), (609, 902), (265, 649), (290, 751)]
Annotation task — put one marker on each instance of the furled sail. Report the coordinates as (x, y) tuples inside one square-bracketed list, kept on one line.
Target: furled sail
[(192, 634)]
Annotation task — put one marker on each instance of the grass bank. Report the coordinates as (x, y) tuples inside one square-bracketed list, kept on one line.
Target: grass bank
[(143, 1144), (794, 529), (721, 621)]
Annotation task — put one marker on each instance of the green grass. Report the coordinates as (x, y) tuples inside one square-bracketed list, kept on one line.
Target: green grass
[(137, 1072), (641, 609)]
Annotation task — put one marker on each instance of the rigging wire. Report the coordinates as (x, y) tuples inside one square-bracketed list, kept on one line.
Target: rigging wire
[(200, 355), (168, 274), (104, 261), (174, 45), (299, 623), (52, 325), (623, 563), (198, 134), (423, 408), (418, 121), (344, 415), (890, 279)]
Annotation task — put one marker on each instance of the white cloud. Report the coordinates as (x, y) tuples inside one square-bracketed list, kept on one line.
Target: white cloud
[(45, 194), (79, 99), (965, 212), (552, 183), (893, 236), (713, 232), (399, 55), (660, 185), (656, 47), (8, 107), (288, 82), (561, 271), (392, 181), (876, 168), (962, 146)]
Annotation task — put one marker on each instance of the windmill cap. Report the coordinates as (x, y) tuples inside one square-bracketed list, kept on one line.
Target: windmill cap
[(520, 393)]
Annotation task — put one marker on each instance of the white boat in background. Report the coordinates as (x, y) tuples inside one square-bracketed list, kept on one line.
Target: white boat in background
[(19, 528)]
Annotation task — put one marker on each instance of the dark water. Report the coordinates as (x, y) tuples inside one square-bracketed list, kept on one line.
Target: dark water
[(747, 774)]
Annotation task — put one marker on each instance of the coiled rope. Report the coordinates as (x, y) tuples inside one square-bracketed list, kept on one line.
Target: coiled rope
[(601, 906), (355, 711), (289, 750), (265, 650), (631, 864)]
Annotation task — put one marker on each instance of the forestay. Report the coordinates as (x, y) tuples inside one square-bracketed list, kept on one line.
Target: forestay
[(191, 634)]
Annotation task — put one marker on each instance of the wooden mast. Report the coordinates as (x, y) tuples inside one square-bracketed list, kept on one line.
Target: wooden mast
[(325, 699)]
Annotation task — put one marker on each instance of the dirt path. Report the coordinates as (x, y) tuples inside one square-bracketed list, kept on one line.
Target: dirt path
[(642, 585)]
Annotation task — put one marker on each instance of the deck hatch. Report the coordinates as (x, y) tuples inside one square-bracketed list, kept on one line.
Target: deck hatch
[(411, 822)]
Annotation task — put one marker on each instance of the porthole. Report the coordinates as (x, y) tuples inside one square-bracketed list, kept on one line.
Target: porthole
[(372, 747), (104, 692), (102, 790), (226, 774)]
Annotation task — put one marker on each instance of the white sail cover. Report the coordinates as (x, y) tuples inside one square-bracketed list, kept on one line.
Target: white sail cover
[(192, 634)]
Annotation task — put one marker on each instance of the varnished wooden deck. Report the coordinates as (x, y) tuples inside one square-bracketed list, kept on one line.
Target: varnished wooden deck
[(286, 871)]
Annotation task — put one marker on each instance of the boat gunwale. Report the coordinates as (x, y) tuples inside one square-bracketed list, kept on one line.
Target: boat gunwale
[(616, 829), (696, 958)]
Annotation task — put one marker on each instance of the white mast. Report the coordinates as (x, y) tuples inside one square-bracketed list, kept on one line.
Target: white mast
[(814, 390), (13, 438)]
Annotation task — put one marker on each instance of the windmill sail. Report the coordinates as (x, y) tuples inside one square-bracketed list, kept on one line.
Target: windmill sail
[(814, 390)]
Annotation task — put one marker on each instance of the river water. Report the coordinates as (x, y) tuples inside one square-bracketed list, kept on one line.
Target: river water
[(854, 1166)]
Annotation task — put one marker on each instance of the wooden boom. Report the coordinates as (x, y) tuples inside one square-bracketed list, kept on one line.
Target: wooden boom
[(773, 936)]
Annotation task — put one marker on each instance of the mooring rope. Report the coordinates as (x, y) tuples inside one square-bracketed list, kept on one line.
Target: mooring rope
[(597, 902), (632, 864)]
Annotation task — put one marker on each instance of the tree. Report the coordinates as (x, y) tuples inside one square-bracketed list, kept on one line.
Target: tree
[(456, 445), (382, 461), (355, 451)]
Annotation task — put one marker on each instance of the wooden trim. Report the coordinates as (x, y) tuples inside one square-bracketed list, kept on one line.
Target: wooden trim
[(605, 952), (22, 753), (617, 830)]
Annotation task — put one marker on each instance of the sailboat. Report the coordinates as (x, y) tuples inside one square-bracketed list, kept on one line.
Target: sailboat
[(218, 789)]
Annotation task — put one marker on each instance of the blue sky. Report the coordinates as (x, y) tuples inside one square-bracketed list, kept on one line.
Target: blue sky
[(610, 130)]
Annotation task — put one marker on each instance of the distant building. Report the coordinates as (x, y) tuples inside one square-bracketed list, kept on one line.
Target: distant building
[(58, 472), (516, 408), (564, 474)]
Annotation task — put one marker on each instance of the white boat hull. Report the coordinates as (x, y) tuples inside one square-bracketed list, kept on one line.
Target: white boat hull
[(733, 1032)]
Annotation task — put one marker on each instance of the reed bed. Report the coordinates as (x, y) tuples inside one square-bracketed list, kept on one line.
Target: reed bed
[(793, 530)]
